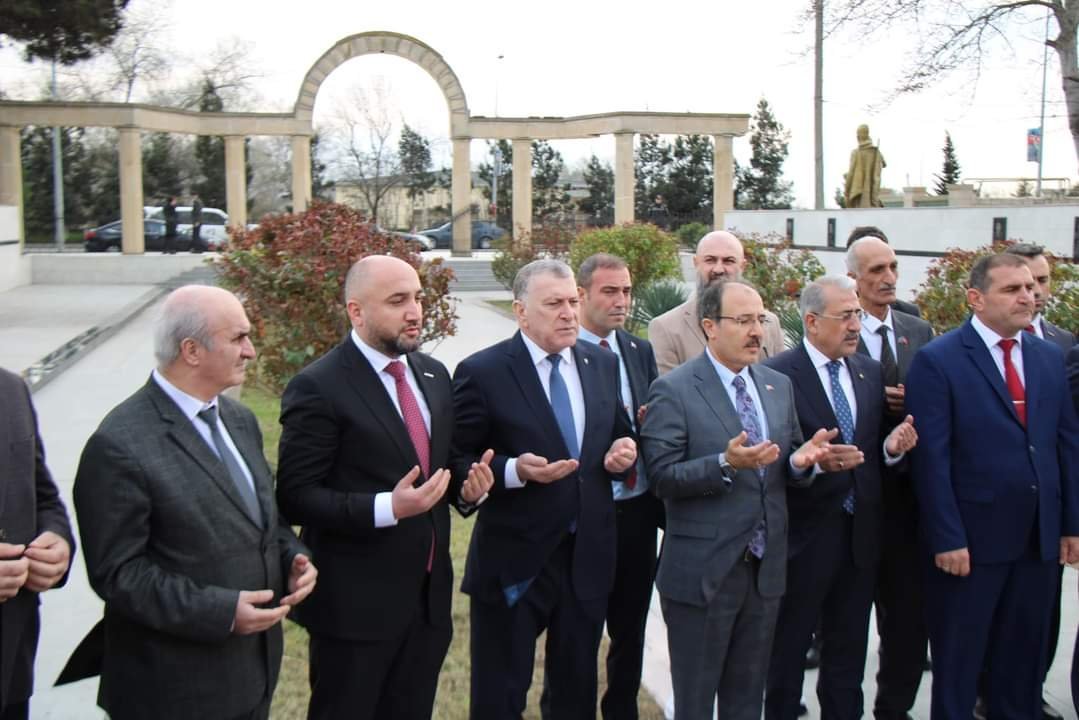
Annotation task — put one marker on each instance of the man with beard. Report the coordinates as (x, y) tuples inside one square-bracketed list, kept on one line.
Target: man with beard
[(676, 335), (364, 469)]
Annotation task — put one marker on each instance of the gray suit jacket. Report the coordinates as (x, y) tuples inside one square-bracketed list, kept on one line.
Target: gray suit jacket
[(1057, 335), (676, 336), (168, 547), (689, 421), (911, 333)]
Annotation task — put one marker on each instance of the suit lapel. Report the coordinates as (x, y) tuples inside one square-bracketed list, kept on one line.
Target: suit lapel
[(715, 395), (980, 356), (588, 370), (527, 377), (807, 381), (770, 403), (244, 440), (436, 398), (1033, 373), (862, 400), (905, 350), (631, 356), (693, 327)]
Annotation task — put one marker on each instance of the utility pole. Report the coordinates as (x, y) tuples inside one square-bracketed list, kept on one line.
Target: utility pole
[(818, 106), (497, 170), (57, 178), (1041, 132)]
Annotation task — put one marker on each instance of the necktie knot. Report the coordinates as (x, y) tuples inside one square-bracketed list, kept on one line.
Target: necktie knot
[(604, 344), (396, 369), (1007, 344), (209, 416), (739, 382), (554, 359), (833, 368), (883, 331)]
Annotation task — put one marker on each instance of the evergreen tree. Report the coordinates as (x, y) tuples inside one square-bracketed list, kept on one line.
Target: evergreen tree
[(38, 207), (62, 30), (103, 196), (650, 162), (415, 153), (599, 177), (504, 211), (321, 187), (160, 171), (949, 173), (210, 154), (1023, 190), (548, 196), (690, 180), (761, 185)]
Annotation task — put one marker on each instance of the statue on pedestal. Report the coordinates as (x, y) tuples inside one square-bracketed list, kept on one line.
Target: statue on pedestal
[(863, 178)]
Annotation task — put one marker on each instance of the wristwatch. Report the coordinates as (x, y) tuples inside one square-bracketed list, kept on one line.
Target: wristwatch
[(728, 471)]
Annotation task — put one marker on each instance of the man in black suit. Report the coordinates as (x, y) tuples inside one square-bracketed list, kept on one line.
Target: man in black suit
[(181, 533), (892, 338), (35, 543), (863, 231), (363, 468), (835, 523), (605, 289), (1073, 382), (542, 555)]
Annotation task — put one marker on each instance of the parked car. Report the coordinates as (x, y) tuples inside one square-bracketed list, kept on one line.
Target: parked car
[(110, 235), (420, 242), (483, 235), (214, 231)]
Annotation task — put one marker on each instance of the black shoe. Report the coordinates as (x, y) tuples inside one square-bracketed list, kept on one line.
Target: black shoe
[(803, 709), (1049, 712), (813, 657), (979, 708)]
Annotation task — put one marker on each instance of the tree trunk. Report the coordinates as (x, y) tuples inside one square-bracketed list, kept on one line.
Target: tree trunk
[(1065, 45)]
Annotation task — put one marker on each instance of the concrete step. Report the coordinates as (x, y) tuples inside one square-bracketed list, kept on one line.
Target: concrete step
[(473, 275)]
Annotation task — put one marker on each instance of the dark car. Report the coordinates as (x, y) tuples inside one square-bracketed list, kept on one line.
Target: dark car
[(483, 235), (110, 235)]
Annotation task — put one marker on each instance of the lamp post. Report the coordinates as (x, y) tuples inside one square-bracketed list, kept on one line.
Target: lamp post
[(497, 169)]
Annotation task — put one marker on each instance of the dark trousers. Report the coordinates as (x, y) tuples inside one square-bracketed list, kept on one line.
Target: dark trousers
[(16, 711), (170, 241), (504, 646), (822, 584), (900, 600), (719, 652), (394, 678), (1054, 623), (261, 712), (998, 618)]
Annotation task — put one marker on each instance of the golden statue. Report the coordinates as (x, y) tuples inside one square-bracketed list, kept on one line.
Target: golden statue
[(863, 178)]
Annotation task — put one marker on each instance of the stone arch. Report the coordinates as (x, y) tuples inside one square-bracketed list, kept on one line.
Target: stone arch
[(380, 42)]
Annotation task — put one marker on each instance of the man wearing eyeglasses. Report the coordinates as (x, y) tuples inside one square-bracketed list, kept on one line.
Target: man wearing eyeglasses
[(676, 335), (722, 443), (835, 522)]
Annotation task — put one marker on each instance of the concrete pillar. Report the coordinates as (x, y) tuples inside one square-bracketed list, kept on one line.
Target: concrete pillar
[(301, 172), (522, 187), (131, 227), (461, 194), (11, 175), (236, 181), (913, 194), (962, 196), (723, 183), (624, 180)]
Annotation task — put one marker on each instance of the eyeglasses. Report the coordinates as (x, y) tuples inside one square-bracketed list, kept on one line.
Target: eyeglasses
[(844, 317), (743, 320)]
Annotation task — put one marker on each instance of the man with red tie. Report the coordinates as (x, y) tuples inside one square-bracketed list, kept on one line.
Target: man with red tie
[(997, 479), (364, 468)]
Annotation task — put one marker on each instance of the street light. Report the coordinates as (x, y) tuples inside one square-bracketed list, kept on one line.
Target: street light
[(497, 169)]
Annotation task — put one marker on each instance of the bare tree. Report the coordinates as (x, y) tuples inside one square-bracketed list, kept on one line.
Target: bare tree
[(955, 34), (140, 50)]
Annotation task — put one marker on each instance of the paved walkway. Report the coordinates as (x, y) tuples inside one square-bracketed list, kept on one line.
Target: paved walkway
[(71, 406)]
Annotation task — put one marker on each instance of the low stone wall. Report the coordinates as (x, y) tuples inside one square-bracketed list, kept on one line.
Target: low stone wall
[(110, 268)]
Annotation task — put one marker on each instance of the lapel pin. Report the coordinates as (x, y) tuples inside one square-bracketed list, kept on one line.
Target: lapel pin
[(861, 376), (768, 387), (902, 339), (585, 361), (633, 344), (427, 374)]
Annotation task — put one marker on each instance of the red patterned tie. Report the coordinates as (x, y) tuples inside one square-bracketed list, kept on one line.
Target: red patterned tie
[(417, 431), (1015, 385), (631, 479)]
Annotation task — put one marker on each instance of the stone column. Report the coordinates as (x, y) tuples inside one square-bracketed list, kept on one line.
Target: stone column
[(522, 187), (461, 194), (11, 175), (133, 242), (301, 172), (236, 181), (624, 181), (723, 185)]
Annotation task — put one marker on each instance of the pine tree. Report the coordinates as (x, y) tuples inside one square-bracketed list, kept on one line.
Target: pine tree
[(548, 196), (320, 186), (38, 210), (1023, 190), (210, 154), (761, 185), (504, 211), (160, 170), (949, 174), (690, 180), (415, 153), (651, 160), (599, 177)]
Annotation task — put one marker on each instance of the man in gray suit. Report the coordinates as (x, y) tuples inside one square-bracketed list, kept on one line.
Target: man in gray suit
[(181, 536), (721, 442), (892, 337), (35, 543), (676, 335)]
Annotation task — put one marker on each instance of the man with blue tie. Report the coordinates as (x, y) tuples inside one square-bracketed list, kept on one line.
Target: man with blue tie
[(835, 525), (997, 480), (542, 555), (605, 289)]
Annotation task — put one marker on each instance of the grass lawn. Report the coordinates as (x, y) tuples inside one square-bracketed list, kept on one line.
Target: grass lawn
[(451, 703)]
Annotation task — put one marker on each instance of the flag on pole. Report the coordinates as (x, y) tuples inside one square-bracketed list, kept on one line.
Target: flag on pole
[(1034, 144)]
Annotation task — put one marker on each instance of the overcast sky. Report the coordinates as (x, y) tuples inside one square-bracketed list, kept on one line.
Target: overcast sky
[(571, 58)]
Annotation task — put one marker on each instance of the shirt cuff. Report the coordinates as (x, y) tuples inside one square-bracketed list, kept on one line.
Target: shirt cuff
[(803, 473), (889, 459), (510, 475), (384, 510)]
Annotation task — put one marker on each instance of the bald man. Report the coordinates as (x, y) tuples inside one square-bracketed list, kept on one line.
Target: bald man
[(676, 335), (363, 457)]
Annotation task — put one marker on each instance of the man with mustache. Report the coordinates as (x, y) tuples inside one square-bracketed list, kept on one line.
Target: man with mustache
[(364, 467), (864, 231), (835, 523), (892, 338), (676, 335), (722, 444)]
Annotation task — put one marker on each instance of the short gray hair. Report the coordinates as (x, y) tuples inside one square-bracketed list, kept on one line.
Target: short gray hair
[(547, 266), (854, 265), (812, 300), (180, 320)]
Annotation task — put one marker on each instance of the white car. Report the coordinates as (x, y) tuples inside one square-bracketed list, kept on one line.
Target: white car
[(214, 222)]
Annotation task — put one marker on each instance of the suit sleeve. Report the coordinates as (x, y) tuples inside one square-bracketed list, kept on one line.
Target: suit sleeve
[(115, 509), (49, 508), (1073, 375), (773, 340), (472, 429), (929, 400), (663, 347), (665, 442), (1068, 453), (307, 454), (797, 439)]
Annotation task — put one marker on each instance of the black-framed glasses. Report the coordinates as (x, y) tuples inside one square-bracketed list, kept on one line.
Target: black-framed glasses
[(743, 320), (843, 317)]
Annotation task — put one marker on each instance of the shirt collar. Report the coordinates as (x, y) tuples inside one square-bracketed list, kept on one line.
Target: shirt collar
[(990, 336), (726, 375), (586, 334), (871, 323), (189, 405), (818, 358), (539, 354), (378, 360)]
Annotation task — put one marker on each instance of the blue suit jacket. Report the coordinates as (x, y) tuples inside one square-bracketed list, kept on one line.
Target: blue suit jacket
[(499, 403), (983, 481)]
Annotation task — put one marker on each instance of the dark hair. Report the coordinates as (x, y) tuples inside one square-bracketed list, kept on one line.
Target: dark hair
[(865, 231), (595, 262), (979, 274), (1025, 250), (710, 300)]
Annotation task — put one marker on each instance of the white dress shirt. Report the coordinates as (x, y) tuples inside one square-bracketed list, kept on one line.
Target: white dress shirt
[(1039, 330), (992, 341), (872, 340)]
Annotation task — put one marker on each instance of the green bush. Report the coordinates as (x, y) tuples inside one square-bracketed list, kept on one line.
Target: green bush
[(690, 234), (650, 253), (653, 300), (290, 273), (942, 298), (778, 270), (512, 254)]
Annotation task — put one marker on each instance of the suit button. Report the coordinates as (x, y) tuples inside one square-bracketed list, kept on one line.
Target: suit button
[(1034, 488), (3, 534), (1031, 448)]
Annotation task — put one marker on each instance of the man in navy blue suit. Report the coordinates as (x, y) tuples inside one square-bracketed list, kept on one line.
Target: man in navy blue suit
[(997, 479), (542, 555)]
